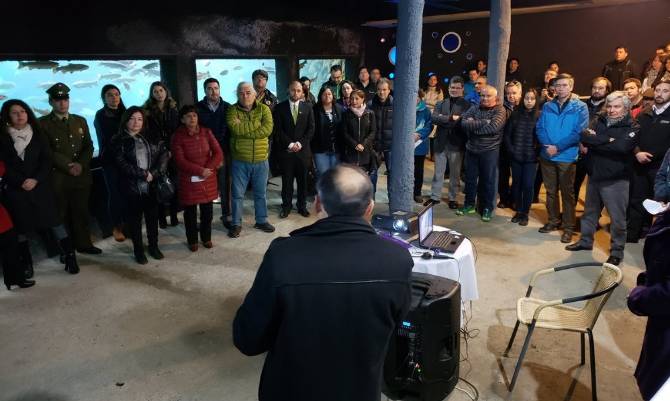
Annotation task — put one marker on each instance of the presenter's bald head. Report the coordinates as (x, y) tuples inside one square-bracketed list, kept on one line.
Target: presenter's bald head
[(345, 190)]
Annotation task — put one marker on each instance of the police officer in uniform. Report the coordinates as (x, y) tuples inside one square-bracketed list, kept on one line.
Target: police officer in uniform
[(72, 149)]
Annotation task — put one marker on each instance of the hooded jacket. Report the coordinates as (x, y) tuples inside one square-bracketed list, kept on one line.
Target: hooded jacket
[(561, 127)]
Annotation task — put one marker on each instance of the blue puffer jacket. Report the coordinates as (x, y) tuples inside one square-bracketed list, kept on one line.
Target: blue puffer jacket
[(424, 126), (562, 129)]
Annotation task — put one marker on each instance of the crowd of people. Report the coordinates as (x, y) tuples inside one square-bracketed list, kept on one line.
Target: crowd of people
[(158, 159)]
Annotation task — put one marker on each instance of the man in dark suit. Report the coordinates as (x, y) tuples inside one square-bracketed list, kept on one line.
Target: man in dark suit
[(293, 131), (326, 300)]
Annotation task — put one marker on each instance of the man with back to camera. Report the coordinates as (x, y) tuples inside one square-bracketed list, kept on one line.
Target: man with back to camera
[(335, 81), (326, 300), (212, 111), (293, 131), (654, 141), (619, 69), (72, 148), (558, 131)]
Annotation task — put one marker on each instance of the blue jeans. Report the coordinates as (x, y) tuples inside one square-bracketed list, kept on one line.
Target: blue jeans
[(481, 178), (325, 161), (257, 174), (523, 184)]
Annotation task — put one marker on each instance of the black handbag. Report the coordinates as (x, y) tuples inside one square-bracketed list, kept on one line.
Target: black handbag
[(164, 188)]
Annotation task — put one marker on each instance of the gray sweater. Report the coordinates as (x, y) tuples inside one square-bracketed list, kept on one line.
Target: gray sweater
[(485, 129)]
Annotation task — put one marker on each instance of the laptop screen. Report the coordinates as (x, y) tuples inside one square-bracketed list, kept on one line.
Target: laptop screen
[(425, 223)]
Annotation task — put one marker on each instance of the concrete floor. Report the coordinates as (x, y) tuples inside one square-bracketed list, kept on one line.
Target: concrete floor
[(162, 332)]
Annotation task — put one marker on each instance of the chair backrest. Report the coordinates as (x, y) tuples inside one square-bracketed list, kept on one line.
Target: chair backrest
[(610, 277)]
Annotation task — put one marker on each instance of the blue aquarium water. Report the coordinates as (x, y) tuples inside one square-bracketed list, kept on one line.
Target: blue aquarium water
[(230, 72), (318, 72), (28, 80)]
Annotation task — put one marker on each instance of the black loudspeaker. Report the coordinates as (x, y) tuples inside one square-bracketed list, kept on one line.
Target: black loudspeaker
[(423, 354)]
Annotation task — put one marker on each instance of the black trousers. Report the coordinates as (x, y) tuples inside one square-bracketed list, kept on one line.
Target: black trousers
[(418, 174), (136, 208), (12, 270), (504, 172), (580, 175), (191, 222), (293, 168), (642, 187)]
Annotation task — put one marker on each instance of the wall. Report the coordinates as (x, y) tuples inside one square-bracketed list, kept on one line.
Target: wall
[(581, 40)]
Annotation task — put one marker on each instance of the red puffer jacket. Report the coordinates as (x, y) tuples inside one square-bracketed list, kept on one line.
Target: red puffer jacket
[(192, 154), (5, 219)]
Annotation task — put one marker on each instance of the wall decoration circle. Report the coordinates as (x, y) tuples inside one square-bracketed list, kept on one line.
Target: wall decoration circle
[(392, 54), (451, 42), (435, 35), (469, 56)]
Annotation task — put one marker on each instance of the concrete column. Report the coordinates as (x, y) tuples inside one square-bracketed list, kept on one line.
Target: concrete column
[(500, 30)]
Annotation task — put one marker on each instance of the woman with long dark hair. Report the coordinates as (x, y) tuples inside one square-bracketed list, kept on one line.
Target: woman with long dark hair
[(162, 115), (345, 96), (140, 163), (521, 143), (197, 155), (327, 141), (29, 196), (359, 130), (433, 91), (106, 123)]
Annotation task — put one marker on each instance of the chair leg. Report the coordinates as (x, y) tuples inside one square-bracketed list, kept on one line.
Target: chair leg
[(581, 337), (594, 394), (511, 340), (526, 342)]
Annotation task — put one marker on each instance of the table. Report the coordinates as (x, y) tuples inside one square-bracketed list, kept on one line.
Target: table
[(461, 268)]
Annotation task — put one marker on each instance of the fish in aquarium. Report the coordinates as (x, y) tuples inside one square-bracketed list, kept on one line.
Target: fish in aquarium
[(155, 73), (3, 97), (126, 85), (151, 66), (302, 64), (116, 64), (110, 76), (237, 68), (224, 72), (7, 85), (137, 71), (38, 65), (41, 112), (125, 79), (207, 63), (72, 67), (46, 85), (85, 84), (202, 75)]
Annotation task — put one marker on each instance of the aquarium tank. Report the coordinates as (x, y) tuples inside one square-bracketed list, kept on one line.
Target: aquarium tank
[(230, 72)]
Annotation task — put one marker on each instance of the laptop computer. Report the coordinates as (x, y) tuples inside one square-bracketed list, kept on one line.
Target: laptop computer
[(442, 241)]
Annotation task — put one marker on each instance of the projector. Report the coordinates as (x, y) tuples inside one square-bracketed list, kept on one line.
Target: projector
[(398, 222)]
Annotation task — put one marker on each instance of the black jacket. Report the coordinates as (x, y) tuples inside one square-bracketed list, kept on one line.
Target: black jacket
[(106, 123), (324, 315), (654, 135), (384, 117), (610, 155), (327, 133), (215, 121), (520, 137), (161, 125), (36, 209), (485, 129), (131, 176), (449, 134), (619, 71), (285, 131), (359, 131), (662, 181)]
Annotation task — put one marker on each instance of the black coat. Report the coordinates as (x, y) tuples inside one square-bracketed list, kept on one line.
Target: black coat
[(654, 135), (162, 125), (360, 131), (610, 155), (384, 118), (285, 131), (619, 71), (106, 123), (131, 176), (327, 133), (36, 209), (215, 121), (325, 322), (520, 138), (449, 134)]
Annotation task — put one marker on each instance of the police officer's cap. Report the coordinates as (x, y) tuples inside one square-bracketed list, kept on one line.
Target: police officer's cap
[(59, 91), (262, 73)]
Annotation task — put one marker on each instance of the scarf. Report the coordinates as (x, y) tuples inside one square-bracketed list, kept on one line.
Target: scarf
[(21, 139), (358, 111), (611, 121)]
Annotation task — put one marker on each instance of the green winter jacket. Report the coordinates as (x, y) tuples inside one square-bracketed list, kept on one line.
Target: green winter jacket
[(249, 132)]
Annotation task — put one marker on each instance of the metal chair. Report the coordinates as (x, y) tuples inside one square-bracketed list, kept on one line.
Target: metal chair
[(557, 315)]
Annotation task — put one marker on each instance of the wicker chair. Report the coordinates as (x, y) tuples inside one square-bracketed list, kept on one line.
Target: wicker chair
[(557, 315)]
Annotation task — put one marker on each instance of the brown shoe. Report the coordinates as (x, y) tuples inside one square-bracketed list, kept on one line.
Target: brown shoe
[(207, 244), (117, 232), (193, 247)]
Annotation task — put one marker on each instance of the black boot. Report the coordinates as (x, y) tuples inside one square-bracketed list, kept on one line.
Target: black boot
[(13, 273), (26, 259), (68, 256)]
